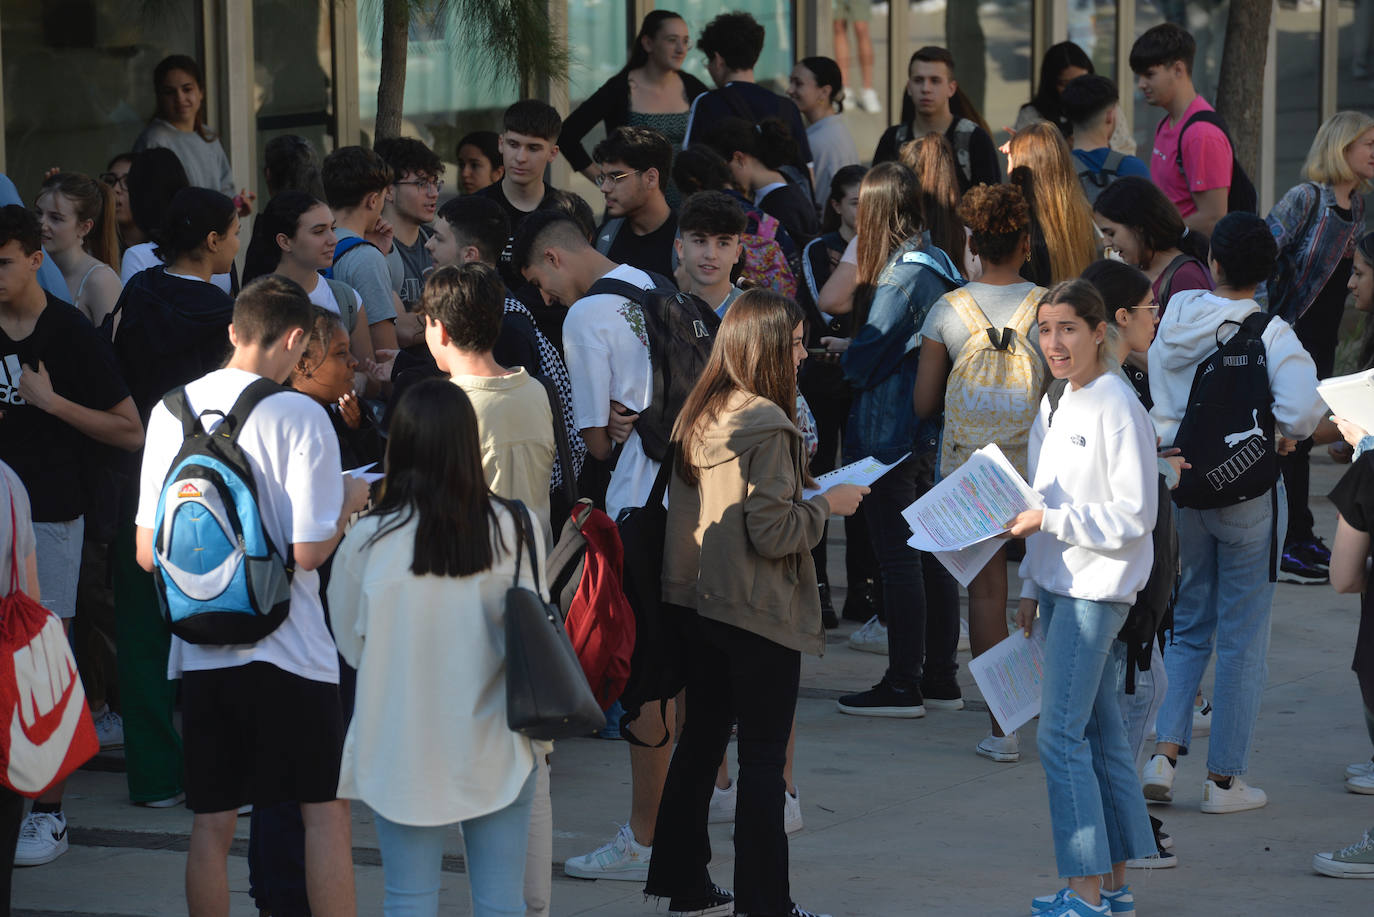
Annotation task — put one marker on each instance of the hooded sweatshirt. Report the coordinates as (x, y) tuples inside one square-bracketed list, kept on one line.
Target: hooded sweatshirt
[(1192, 329), (738, 543)]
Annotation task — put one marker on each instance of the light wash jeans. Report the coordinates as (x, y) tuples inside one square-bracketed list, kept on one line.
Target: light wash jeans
[(1225, 596), (1140, 710), (494, 851), (1097, 809)]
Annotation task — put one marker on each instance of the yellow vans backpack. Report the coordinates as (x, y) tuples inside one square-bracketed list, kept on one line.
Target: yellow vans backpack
[(993, 391)]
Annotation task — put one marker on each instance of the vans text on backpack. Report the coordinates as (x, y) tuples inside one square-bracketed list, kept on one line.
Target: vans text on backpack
[(220, 579), (681, 329), (1242, 195)]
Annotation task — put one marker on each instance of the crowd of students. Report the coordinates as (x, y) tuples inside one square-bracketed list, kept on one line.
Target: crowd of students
[(493, 351)]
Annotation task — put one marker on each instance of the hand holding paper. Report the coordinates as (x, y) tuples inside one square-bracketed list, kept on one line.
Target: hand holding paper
[(974, 503)]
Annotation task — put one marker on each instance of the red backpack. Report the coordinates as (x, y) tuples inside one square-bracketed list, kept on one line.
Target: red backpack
[(585, 571)]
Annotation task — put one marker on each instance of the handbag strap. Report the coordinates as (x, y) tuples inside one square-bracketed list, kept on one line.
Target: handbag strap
[(14, 539), (524, 541)]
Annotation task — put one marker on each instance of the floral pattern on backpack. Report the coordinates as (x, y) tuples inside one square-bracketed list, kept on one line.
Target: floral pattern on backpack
[(765, 262), (993, 391)]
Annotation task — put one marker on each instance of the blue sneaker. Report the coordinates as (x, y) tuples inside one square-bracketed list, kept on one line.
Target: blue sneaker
[(1065, 903)]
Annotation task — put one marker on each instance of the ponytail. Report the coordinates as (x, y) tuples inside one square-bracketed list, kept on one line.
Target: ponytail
[(94, 201)]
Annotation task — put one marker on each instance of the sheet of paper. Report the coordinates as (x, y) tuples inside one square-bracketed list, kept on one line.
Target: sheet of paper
[(965, 564), (363, 474), (1009, 677), (1351, 398), (863, 472), (972, 504)]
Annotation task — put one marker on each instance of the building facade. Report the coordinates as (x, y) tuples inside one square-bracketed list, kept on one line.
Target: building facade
[(77, 73)]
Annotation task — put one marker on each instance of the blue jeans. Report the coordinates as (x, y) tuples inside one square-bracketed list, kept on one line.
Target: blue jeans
[(1096, 807), (1225, 595), (494, 849)]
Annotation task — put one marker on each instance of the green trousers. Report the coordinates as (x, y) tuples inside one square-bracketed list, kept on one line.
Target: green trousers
[(152, 746)]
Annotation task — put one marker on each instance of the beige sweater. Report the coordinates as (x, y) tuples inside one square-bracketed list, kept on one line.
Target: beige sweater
[(738, 545)]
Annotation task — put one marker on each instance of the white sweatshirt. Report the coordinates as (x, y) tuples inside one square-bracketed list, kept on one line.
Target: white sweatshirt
[(1188, 334), (1096, 469)]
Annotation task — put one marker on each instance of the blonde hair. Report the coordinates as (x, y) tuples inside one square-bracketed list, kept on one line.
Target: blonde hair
[(1326, 161), (1042, 167)]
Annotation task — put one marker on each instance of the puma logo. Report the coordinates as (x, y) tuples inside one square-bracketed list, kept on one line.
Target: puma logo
[(1235, 439), (47, 712)]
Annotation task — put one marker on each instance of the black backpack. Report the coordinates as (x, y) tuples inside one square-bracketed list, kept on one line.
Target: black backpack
[(1153, 611), (1094, 180), (681, 329), (1242, 195), (1227, 431)]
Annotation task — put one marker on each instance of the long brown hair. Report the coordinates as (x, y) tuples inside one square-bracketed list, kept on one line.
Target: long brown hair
[(1042, 167), (889, 215), (752, 353), (931, 158), (91, 200)]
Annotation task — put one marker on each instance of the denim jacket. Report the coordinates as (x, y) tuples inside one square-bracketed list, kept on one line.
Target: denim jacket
[(880, 363), (1312, 239)]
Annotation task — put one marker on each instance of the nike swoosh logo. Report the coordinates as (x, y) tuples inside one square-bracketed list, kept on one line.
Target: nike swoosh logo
[(34, 765)]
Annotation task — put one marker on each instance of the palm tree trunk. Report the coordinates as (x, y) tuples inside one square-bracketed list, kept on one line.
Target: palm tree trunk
[(391, 80), (1240, 88)]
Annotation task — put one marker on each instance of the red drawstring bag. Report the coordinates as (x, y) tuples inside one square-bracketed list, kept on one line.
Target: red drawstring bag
[(50, 731)]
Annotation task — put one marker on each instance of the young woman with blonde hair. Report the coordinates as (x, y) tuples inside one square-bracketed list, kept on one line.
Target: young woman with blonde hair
[(1315, 226), (900, 276), (79, 233), (1063, 238), (738, 571)]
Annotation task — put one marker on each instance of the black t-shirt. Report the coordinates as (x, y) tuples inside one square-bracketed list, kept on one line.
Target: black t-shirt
[(794, 211), (516, 216), (1354, 500), (651, 252), (414, 262), (48, 455), (982, 152), (735, 100)]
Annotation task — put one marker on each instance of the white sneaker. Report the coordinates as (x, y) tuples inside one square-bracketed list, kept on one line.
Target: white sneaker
[(722, 809), (42, 839), (1362, 769), (1004, 749), (1202, 718), (109, 727), (167, 803), (791, 812), (1363, 784), (1157, 779), (623, 858), (1240, 797), (868, 100), (964, 645), (871, 638)]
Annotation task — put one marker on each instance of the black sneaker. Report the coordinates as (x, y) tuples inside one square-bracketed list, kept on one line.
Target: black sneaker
[(884, 700), (716, 903), (1296, 568), (942, 697), (828, 619), (1313, 550)]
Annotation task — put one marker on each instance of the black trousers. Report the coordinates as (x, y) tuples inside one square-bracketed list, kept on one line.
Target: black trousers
[(732, 674), (1319, 331), (12, 807)]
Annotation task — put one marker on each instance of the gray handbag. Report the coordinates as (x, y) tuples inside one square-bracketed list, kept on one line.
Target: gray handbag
[(547, 695)]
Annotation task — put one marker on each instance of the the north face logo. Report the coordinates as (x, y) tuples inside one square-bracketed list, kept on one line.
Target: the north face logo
[(188, 491)]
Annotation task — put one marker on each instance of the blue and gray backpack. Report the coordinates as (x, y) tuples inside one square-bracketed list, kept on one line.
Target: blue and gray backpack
[(220, 579)]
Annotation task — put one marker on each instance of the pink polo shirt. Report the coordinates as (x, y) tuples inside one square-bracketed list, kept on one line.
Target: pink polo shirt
[(1206, 158)]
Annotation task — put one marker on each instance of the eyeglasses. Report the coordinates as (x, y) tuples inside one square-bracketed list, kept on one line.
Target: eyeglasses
[(614, 178), (1153, 307), (424, 184), (115, 181)]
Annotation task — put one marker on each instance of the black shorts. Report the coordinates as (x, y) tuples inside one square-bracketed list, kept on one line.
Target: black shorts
[(257, 734)]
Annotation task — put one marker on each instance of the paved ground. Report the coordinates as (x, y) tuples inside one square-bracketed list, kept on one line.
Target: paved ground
[(901, 816)]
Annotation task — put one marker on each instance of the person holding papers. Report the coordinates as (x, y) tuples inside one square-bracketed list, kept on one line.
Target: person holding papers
[(1092, 459), (990, 396)]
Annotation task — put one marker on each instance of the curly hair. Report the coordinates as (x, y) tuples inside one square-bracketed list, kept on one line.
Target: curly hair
[(998, 216)]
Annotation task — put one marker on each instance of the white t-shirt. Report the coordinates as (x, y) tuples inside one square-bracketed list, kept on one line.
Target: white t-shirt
[(294, 453), (607, 349), (323, 296), (140, 257)]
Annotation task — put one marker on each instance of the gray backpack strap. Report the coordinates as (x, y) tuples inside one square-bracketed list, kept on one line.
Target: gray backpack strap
[(963, 137), (605, 238), (1113, 162), (347, 301), (1054, 393)]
